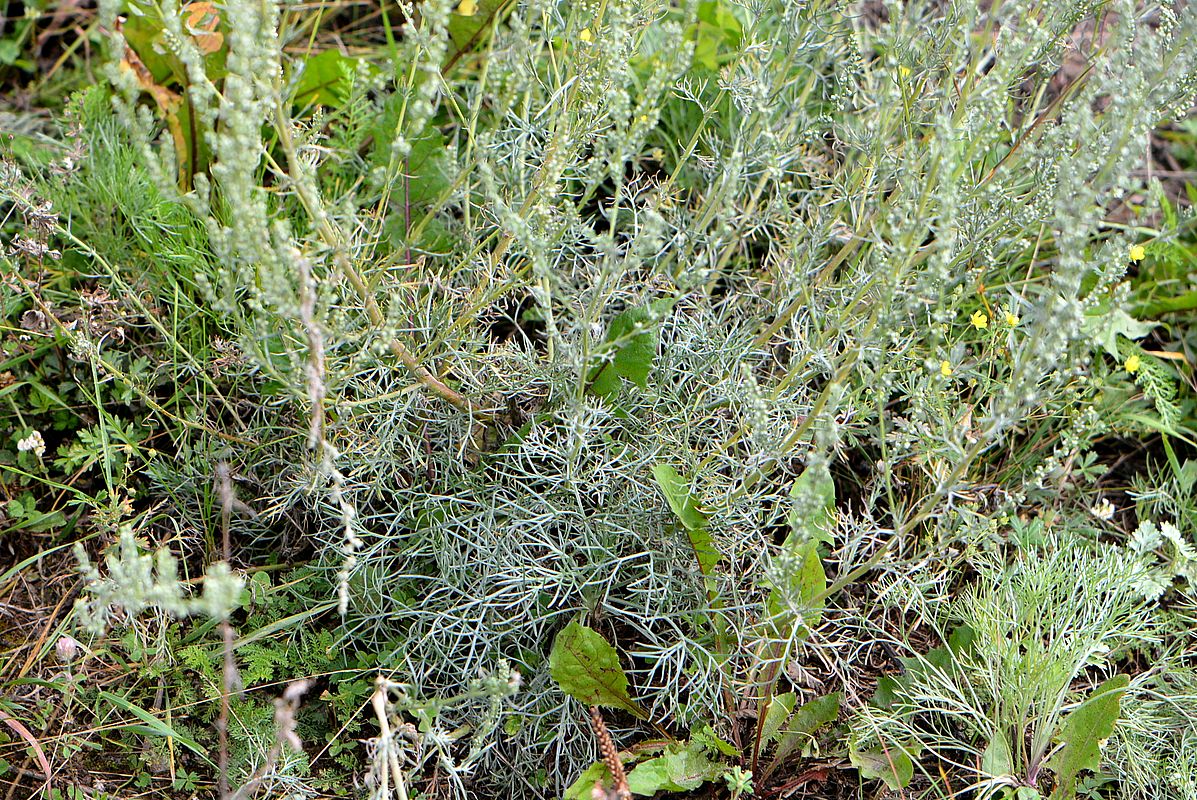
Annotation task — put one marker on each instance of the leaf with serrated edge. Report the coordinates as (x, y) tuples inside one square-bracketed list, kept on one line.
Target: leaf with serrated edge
[(805, 720), (680, 771), (779, 710), (1083, 731), (635, 341), (586, 667), (812, 715)]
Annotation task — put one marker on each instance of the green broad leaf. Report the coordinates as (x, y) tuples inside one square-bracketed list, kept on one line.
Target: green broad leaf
[(581, 788), (888, 688), (812, 516), (426, 165), (891, 687), (677, 494), (325, 79), (817, 713), (891, 765), (1082, 733), (1105, 326), (705, 736), (681, 501), (716, 34), (10, 51), (803, 586), (1186, 301), (996, 761), (779, 711), (420, 181), (812, 578), (683, 770), (196, 154), (651, 777), (634, 338), (960, 641), (805, 721), (586, 667), (145, 33)]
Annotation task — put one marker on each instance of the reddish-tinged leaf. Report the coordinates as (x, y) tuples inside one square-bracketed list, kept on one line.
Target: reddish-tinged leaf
[(28, 736)]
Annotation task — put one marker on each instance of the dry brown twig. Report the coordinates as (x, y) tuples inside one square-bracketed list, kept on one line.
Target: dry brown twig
[(284, 723), (387, 759), (230, 677)]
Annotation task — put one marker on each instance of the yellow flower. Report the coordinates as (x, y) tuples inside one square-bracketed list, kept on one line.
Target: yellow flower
[(945, 368), (467, 8), (585, 35), (904, 71), (1011, 319), (979, 320), (1137, 252), (1133, 363)]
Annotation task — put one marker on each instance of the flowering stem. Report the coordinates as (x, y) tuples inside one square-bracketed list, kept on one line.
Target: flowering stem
[(341, 259)]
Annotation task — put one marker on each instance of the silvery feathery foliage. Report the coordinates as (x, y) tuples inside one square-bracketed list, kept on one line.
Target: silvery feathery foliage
[(813, 199), (1036, 627), (1154, 746), (133, 581)]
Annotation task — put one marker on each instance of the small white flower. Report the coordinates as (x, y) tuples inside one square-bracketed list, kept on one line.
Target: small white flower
[(33, 443), (1104, 510)]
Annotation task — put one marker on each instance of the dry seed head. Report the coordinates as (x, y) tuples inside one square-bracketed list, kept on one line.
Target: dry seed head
[(610, 756)]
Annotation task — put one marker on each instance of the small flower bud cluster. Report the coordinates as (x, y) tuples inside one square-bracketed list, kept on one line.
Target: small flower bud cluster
[(33, 443), (136, 581)]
